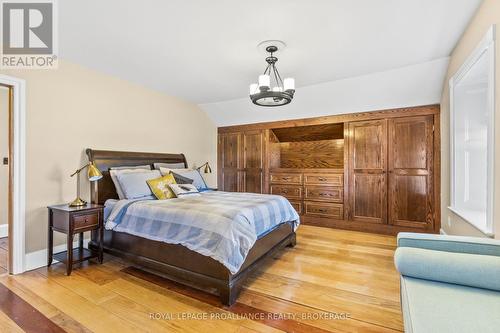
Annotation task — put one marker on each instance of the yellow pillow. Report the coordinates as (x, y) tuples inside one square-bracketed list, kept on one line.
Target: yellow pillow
[(160, 188)]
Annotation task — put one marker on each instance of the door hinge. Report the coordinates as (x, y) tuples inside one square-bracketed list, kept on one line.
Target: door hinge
[(5, 161)]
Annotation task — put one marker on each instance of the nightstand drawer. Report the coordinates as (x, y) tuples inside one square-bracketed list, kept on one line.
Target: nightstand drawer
[(86, 221)]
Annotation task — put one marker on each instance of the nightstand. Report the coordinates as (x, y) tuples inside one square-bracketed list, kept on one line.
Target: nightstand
[(72, 221)]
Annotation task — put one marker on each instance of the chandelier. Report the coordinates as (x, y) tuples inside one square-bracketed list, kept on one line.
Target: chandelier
[(271, 89)]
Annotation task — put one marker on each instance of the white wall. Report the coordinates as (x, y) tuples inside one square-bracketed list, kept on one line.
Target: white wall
[(408, 86)]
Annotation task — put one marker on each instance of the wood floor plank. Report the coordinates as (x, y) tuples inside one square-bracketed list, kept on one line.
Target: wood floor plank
[(7, 325)]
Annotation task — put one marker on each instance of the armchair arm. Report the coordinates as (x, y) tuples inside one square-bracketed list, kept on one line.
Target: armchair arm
[(473, 270), (457, 244)]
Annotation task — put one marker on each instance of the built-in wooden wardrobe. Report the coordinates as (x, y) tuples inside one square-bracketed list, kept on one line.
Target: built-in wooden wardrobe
[(373, 171)]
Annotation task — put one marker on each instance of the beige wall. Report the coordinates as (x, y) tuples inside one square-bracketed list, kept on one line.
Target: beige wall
[(487, 14), (73, 108), (4, 152)]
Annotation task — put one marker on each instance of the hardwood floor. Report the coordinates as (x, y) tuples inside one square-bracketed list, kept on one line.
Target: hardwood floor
[(332, 281)]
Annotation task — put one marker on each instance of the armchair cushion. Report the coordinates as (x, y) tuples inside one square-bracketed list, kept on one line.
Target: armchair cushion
[(474, 270), (457, 244)]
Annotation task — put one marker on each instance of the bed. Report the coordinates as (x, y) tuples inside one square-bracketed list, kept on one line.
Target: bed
[(175, 261)]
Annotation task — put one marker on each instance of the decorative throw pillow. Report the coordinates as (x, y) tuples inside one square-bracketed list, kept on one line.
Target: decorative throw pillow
[(160, 188), (181, 179), (124, 169), (134, 184), (195, 175), (181, 190)]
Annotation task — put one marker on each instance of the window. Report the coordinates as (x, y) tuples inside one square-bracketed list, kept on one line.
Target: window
[(472, 111)]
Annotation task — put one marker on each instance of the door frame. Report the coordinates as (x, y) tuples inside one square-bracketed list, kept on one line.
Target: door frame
[(17, 172)]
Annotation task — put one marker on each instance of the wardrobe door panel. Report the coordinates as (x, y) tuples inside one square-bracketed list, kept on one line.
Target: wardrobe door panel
[(253, 161), (253, 143), (410, 172), (230, 177), (231, 150), (252, 181), (230, 180), (367, 171)]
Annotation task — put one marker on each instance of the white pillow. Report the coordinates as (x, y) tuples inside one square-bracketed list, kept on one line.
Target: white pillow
[(125, 169), (157, 166), (181, 190), (165, 171), (134, 184)]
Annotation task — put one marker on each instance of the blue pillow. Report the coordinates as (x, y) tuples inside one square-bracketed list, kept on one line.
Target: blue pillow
[(195, 175), (134, 184)]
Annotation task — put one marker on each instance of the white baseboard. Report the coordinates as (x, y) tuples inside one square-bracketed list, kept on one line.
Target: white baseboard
[(4, 230), (37, 259), (442, 232)]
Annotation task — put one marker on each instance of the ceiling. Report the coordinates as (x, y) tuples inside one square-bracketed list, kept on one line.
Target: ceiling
[(205, 51)]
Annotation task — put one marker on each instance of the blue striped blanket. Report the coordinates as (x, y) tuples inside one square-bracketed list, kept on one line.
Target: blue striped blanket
[(221, 225)]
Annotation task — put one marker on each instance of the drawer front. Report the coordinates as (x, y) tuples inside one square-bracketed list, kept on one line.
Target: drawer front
[(288, 191), (335, 211), (333, 179), (298, 206), (325, 193), (86, 221), (286, 178)]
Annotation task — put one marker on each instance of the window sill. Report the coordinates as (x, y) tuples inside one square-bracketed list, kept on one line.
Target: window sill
[(468, 216)]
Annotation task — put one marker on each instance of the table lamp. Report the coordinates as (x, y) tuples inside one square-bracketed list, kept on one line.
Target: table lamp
[(93, 175), (207, 169)]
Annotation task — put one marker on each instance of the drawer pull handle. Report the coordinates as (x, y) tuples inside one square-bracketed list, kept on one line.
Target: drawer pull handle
[(86, 220), (322, 210), (321, 179), (286, 178), (284, 191)]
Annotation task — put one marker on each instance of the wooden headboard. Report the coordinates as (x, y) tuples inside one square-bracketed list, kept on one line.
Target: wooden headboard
[(104, 189)]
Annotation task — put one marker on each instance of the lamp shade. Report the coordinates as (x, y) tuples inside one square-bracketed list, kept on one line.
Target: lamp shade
[(93, 173)]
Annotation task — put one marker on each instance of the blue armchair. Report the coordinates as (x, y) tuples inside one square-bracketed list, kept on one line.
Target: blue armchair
[(449, 283)]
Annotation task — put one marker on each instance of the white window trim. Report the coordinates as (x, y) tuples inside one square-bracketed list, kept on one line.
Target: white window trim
[(487, 44)]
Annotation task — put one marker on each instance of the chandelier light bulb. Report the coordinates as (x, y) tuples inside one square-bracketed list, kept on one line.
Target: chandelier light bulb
[(264, 81)]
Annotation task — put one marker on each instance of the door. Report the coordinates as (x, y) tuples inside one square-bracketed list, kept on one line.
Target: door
[(410, 167), (230, 157), (253, 161), (367, 171)]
